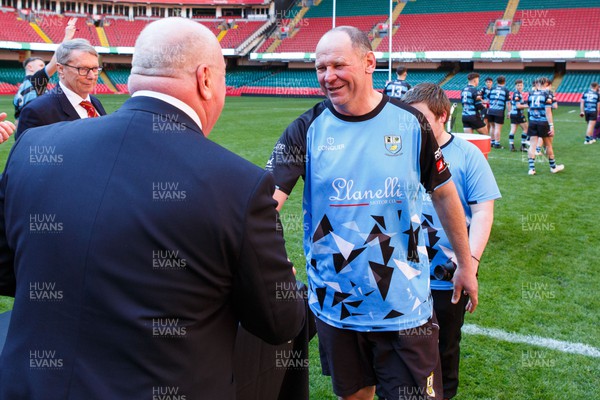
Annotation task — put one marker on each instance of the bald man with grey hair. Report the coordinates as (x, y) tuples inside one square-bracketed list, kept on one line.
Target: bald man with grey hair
[(183, 60), (166, 243), (368, 160)]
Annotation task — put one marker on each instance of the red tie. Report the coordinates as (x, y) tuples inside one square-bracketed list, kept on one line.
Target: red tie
[(89, 107)]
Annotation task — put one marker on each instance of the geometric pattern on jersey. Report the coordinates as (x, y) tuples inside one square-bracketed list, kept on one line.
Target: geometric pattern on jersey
[(366, 259), (475, 183), (346, 296)]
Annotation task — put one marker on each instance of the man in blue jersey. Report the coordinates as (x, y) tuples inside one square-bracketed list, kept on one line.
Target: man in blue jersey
[(517, 118), (590, 107), (472, 105), (499, 102), (367, 162), (477, 190), (485, 99), (541, 125), (37, 75), (398, 87)]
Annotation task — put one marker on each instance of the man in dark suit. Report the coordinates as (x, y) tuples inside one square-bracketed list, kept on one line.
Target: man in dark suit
[(78, 69), (136, 249)]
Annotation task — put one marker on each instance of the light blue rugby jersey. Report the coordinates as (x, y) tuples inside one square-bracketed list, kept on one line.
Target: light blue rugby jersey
[(475, 183), (365, 180)]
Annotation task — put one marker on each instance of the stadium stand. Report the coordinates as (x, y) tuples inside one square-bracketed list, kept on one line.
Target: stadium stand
[(306, 37), (414, 77), (556, 29), (16, 29), (348, 8), (12, 73), (550, 4), (240, 31), (452, 6), (443, 31), (54, 27), (120, 32)]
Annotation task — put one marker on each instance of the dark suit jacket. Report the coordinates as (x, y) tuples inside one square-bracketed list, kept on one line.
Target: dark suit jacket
[(50, 108), (138, 246)]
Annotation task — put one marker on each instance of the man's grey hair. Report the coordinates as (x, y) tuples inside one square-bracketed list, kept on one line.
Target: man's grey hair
[(66, 49), (360, 40)]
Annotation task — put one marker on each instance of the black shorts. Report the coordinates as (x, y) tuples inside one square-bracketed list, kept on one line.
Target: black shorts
[(497, 119), (484, 112), (473, 122), (400, 363), (591, 116), (517, 119), (539, 129)]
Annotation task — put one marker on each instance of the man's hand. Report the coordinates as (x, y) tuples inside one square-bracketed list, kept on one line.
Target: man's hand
[(7, 128), (465, 282), (70, 29)]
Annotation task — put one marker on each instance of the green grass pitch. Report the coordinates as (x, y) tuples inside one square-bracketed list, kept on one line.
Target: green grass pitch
[(539, 275)]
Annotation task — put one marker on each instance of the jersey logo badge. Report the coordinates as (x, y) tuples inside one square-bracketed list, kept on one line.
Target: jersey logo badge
[(393, 144)]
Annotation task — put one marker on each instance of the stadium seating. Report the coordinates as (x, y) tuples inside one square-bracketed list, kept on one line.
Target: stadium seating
[(54, 26), (348, 8), (121, 32), (243, 76), (12, 73), (7, 88), (16, 30), (307, 36), (445, 31), (550, 4), (578, 81), (452, 6), (573, 29), (240, 32), (263, 47), (414, 77)]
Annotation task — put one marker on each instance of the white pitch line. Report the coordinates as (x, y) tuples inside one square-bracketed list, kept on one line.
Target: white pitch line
[(552, 344)]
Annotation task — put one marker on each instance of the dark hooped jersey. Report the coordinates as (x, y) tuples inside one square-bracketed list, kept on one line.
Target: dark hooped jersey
[(471, 101), (499, 96), (590, 98), (540, 102), (366, 178), (485, 93), (397, 88), (516, 99), (31, 87)]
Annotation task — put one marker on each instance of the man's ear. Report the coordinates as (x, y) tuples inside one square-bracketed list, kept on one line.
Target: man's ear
[(371, 62), (204, 82), (444, 117)]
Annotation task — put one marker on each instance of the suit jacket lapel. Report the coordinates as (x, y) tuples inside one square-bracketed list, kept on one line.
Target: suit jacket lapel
[(66, 105), (98, 105)]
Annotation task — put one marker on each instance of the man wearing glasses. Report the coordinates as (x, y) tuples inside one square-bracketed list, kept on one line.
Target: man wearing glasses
[(78, 69)]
